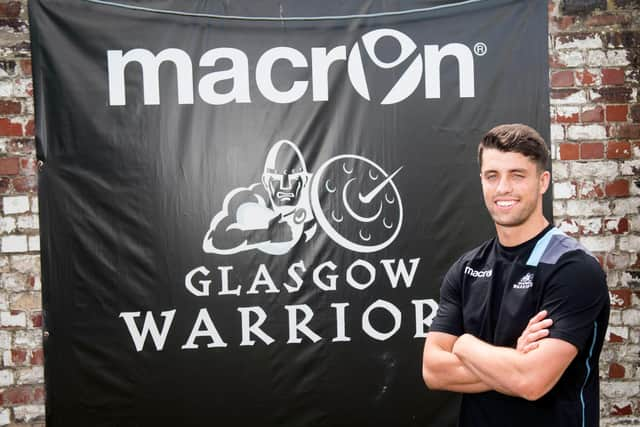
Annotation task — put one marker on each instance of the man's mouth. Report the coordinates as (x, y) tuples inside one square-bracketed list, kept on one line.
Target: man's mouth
[(284, 195), (505, 203)]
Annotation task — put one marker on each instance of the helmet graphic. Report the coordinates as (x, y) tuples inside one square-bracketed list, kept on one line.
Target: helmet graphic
[(285, 174)]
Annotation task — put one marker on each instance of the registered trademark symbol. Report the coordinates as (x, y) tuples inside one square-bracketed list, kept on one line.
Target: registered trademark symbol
[(480, 49)]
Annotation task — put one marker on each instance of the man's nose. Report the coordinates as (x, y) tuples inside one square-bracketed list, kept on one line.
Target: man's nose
[(284, 183), (504, 186)]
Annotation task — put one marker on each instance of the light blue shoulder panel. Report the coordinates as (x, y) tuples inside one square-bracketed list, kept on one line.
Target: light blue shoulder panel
[(552, 246)]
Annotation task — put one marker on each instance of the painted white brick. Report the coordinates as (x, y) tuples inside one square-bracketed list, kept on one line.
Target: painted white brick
[(559, 208), (566, 111), (613, 279), (28, 222), (557, 132), (591, 225), (5, 417), (588, 208), (35, 207), (615, 318), (5, 340), (29, 264), (32, 375), (586, 132), (627, 206), (631, 316), (610, 58), (28, 339), (601, 169), (560, 171), (7, 224), (34, 243), (564, 190), (13, 320), (6, 88), (618, 389), (15, 282), (571, 58), (599, 243), (630, 167), (4, 301), (6, 377), (28, 413), (15, 204), (13, 244), (568, 226), (593, 42), (630, 243), (579, 97), (621, 331), (589, 188)]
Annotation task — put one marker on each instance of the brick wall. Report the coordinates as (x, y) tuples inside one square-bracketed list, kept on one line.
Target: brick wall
[(594, 56), (21, 361), (595, 71)]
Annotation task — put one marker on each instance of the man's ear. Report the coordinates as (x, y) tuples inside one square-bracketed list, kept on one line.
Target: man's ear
[(545, 180)]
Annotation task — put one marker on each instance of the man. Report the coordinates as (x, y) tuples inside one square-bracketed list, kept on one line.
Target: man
[(522, 317), (272, 216)]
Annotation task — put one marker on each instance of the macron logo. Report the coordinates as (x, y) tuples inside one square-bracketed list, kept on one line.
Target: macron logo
[(477, 273)]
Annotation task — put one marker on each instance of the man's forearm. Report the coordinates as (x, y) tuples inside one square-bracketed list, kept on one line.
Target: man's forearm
[(442, 370), (506, 370)]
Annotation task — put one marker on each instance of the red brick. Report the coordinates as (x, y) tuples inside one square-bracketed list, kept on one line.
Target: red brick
[(562, 79), (562, 93), (617, 410), (614, 94), (30, 128), (18, 395), (9, 128), (562, 23), (36, 320), (38, 395), (617, 188), (612, 76), (37, 357), (25, 66), (569, 151), (10, 107), (18, 356), (25, 184), (592, 150), (585, 78), (594, 115), (618, 150), (617, 226), (615, 338), (9, 166), (21, 145), (10, 9), (617, 113), (5, 185), (635, 113), (560, 118), (631, 131), (616, 371), (623, 295), (607, 19)]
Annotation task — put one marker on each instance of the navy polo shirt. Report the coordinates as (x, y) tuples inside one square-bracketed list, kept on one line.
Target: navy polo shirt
[(493, 291)]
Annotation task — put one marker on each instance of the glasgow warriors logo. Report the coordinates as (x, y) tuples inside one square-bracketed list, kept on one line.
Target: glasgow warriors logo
[(353, 200)]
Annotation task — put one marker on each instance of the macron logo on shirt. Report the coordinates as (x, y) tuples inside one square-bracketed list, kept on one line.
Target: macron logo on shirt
[(477, 273)]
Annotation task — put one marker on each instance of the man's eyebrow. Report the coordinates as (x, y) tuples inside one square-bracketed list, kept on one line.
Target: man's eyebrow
[(521, 170)]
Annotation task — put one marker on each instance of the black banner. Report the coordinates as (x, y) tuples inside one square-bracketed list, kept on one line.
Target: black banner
[(245, 220)]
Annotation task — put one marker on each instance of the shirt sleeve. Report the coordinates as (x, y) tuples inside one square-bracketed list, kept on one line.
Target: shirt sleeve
[(574, 297), (449, 317)]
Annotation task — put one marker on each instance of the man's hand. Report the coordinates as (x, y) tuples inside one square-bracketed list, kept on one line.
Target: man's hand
[(537, 329)]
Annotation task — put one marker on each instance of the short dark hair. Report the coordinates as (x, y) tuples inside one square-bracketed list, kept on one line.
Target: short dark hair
[(517, 138)]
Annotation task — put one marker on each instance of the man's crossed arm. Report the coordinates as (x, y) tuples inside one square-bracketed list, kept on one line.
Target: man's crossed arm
[(469, 365)]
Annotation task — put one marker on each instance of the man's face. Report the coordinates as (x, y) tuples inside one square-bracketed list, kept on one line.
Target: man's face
[(512, 187), (284, 187)]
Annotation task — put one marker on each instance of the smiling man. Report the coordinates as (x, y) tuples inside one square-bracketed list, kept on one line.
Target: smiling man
[(522, 317)]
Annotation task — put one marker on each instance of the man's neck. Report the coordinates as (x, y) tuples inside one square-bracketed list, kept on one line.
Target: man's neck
[(513, 236)]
